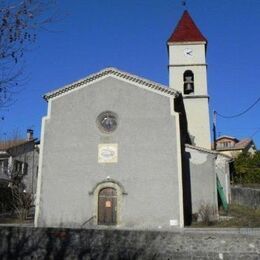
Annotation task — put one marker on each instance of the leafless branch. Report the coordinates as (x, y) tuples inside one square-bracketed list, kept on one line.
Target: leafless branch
[(20, 22)]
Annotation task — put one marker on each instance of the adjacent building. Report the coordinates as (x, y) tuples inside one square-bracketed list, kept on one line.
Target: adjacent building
[(19, 162), (232, 146)]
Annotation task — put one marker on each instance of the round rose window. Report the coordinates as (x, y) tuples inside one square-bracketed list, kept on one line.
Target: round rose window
[(107, 121)]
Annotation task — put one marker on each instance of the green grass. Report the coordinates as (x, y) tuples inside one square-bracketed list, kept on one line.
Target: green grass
[(242, 217), (237, 216)]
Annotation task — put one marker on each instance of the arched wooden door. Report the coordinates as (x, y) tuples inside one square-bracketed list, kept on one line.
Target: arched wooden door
[(107, 203)]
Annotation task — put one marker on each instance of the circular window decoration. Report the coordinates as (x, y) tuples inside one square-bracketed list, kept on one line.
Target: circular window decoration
[(107, 121)]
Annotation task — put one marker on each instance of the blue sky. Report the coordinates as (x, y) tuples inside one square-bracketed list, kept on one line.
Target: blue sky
[(132, 35)]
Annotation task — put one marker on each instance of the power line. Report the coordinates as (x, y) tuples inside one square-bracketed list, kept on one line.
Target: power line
[(241, 113), (257, 131)]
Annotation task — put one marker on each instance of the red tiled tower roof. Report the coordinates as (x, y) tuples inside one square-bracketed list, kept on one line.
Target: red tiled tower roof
[(186, 31)]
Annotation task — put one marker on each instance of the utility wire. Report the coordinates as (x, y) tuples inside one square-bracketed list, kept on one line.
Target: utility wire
[(241, 113), (257, 131)]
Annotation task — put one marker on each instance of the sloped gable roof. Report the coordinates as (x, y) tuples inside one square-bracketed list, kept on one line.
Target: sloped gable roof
[(244, 143), (186, 31), (227, 137), (10, 144), (139, 81)]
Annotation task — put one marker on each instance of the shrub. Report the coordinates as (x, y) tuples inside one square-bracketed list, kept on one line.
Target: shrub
[(247, 168), (206, 213), (5, 199)]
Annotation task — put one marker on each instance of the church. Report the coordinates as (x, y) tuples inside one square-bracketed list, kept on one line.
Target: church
[(123, 151)]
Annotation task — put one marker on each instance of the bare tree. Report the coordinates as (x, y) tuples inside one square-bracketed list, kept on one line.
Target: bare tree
[(20, 22), (22, 202)]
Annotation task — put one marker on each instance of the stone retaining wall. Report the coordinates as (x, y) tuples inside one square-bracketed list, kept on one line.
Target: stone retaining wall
[(31, 243), (245, 196)]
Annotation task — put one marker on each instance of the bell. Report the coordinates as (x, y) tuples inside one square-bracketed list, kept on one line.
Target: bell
[(188, 85)]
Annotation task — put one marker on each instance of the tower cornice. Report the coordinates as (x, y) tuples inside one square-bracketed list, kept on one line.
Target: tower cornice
[(195, 96), (187, 43), (188, 65)]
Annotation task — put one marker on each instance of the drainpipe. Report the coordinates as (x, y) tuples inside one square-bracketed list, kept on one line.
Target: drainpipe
[(214, 130)]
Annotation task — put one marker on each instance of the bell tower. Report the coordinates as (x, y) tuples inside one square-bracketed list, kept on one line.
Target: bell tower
[(188, 74)]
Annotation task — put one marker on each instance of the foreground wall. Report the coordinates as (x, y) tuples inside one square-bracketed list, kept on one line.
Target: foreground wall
[(248, 197), (203, 179), (30, 243)]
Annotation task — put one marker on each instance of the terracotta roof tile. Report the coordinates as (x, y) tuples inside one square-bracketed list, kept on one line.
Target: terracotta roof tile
[(186, 31), (5, 145), (243, 143), (227, 137)]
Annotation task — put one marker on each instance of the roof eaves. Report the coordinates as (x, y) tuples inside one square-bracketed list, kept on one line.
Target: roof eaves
[(115, 72), (187, 42), (15, 145), (226, 136)]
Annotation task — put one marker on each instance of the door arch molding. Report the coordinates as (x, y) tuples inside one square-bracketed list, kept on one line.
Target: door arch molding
[(120, 194), (110, 183)]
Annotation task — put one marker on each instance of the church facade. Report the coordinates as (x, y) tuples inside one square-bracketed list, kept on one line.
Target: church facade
[(123, 151)]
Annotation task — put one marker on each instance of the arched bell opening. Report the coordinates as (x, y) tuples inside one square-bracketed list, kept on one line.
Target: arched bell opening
[(188, 82)]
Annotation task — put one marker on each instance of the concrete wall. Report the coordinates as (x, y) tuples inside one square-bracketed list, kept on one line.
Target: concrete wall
[(29, 154), (179, 62), (196, 104), (197, 111), (248, 197), (232, 153), (203, 179), (177, 53), (146, 172), (223, 173), (28, 243)]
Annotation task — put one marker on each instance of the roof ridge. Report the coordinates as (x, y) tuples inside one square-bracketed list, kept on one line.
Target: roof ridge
[(118, 73), (226, 136)]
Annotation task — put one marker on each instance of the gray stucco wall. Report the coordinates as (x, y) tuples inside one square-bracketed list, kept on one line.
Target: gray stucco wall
[(147, 156), (228, 244), (203, 179)]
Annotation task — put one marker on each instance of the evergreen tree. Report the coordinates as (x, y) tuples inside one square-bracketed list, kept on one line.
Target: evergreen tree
[(247, 168)]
